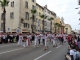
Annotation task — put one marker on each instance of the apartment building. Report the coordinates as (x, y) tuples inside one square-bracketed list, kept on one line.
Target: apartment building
[(18, 15), (53, 14), (47, 24), (68, 29), (39, 20)]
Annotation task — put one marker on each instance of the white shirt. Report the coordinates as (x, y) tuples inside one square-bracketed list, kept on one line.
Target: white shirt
[(28, 36), (71, 52), (20, 37), (3, 36), (43, 37), (36, 36)]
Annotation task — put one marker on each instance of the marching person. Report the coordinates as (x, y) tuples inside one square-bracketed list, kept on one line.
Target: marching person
[(61, 37), (46, 42), (28, 38), (26, 41), (54, 40), (39, 39), (36, 40), (3, 38), (20, 39), (64, 37), (43, 39)]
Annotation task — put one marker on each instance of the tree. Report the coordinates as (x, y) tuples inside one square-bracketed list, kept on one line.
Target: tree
[(43, 17), (4, 3), (51, 23), (33, 11)]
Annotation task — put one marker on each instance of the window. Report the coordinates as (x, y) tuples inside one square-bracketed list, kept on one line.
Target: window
[(39, 14), (45, 23), (33, 7), (32, 0), (2, 16), (12, 15), (36, 19), (28, 25), (26, 4), (12, 4), (1, 25), (35, 27), (27, 16), (25, 25)]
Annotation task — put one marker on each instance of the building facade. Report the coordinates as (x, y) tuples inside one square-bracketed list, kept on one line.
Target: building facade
[(47, 23), (63, 25), (39, 20), (18, 15), (68, 29)]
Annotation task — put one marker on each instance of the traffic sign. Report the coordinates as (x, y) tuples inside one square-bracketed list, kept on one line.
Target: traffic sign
[(8, 29)]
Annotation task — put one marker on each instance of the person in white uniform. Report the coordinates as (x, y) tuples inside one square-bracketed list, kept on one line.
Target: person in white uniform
[(54, 40), (36, 41), (46, 42), (26, 42), (41, 37), (20, 40)]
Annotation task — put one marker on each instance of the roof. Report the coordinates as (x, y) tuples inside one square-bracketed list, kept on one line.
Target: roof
[(39, 5)]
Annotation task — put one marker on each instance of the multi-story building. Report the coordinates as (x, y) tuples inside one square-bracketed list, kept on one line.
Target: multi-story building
[(39, 20), (68, 29), (47, 23), (63, 24), (18, 15), (58, 29), (53, 15)]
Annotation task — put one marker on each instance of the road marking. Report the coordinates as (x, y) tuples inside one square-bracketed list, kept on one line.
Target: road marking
[(59, 46), (10, 51), (42, 55), (7, 45)]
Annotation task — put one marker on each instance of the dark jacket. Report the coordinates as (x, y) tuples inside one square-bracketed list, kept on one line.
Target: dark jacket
[(78, 39)]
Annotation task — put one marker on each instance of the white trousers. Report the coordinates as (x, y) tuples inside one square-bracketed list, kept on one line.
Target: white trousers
[(35, 42), (41, 39), (19, 42), (26, 43), (54, 42), (64, 38)]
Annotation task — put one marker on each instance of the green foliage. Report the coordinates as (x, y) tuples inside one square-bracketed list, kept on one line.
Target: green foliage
[(4, 3), (33, 11), (43, 16), (51, 18)]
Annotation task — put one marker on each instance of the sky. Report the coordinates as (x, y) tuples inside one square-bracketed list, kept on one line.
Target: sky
[(65, 9)]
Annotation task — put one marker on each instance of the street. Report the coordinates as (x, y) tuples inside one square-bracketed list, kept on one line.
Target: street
[(13, 52)]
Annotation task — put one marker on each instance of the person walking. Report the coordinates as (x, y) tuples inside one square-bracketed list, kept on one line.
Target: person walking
[(36, 41), (46, 43), (20, 39), (79, 41), (54, 40)]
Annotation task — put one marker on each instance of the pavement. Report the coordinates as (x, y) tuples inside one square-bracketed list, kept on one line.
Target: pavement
[(13, 52)]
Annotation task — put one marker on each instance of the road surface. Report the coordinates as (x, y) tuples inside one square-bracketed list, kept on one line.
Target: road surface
[(13, 52)]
